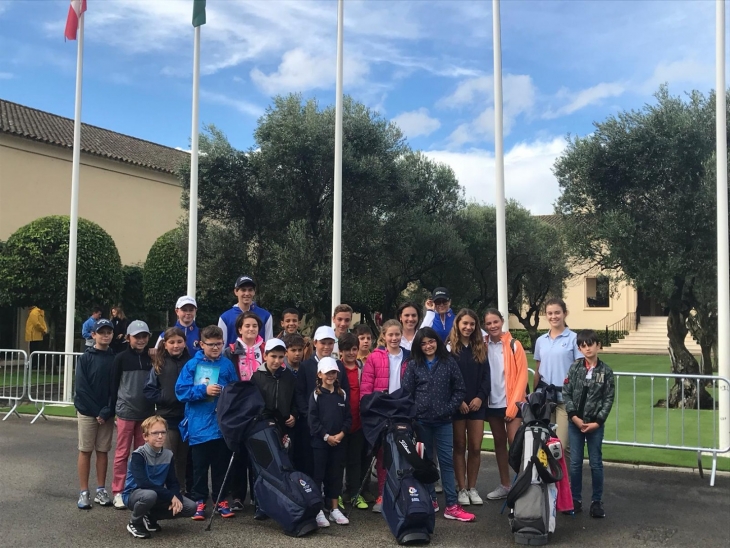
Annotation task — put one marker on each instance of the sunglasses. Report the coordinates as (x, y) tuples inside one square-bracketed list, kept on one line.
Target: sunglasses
[(586, 344)]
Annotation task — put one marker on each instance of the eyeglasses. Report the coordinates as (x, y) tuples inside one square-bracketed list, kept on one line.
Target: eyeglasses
[(212, 345), (430, 342), (586, 343), (158, 434)]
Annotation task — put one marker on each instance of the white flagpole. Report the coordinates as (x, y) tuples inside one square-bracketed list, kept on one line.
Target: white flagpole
[(193, 219), (337, 219), (74, 218), (723, 243), (502, 301)]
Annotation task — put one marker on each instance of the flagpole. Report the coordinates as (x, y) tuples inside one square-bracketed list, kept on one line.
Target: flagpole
[(502, 301), (193, 220), (74, 220), (337, 219)]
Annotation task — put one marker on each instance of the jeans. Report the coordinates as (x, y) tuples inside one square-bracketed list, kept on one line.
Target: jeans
[(441, 437), (595, 458), (144, 501)]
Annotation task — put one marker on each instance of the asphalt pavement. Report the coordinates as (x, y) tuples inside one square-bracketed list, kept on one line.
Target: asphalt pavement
[(644, 507)]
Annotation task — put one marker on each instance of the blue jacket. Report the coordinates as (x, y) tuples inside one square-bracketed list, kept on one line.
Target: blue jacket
[(442, 327), (94, 383), (153, 470), (227, 322), (438, 391), (200, 409), (87, 327)]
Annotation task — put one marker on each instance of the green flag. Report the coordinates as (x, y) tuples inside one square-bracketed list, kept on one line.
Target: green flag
[(198, 13)]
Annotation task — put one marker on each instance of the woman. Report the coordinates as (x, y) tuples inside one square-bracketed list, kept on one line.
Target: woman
[(409, 315), (119, 323), (508, 385)]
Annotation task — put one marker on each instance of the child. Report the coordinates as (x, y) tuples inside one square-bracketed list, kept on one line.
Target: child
[(186, 309), (588, 393), (245, 291), (294, 344), (382, 372), (329, 420), (94, 412), (277, 385), (299, 434), (199, 385), (151, 491), (131, 371), (167, 363), (289, 322), (341, 319), (247, 352), (365, 340), (467, 346), (434, 380)]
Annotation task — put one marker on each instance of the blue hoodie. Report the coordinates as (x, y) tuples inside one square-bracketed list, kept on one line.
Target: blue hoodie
[(200, 409), (443, 328), (227, 322)]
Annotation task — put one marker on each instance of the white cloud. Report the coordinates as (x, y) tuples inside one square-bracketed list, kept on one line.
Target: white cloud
[(683, 71), (6, 75), (416, 123), (585, 97), (240, 105), (528, 173)]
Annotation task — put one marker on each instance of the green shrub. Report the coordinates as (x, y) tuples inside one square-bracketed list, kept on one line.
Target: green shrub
[(165, 271)]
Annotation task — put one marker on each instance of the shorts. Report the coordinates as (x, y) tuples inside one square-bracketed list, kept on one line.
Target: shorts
[(94, 436), (500, 412), (478, 415)]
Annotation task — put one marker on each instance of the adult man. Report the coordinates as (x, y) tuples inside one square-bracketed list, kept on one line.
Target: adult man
[(88, 327), (35, 329), (245, 291), (341, 319), (438, 313)]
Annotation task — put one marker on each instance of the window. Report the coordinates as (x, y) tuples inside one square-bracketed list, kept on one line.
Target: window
[(598, 294)]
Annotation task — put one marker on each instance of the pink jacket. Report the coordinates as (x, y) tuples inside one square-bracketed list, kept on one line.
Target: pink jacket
[(246, 359), (376, 371)]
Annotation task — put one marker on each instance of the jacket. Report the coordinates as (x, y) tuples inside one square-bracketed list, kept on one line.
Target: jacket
[(86, 328), (376, 371), (153, 470), (515, 373), (442, 327), (227, 322), (200, 409), (307, 381), (476, 375), (354, 380), (94, 384), (438, 391), (131, 371), (278, 390), (246, 359), (192, 336), (160, 389), (329, 413), (589, 399), (35, 326)]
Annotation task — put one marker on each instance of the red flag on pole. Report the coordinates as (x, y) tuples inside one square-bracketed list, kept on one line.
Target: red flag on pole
[(75, 10)]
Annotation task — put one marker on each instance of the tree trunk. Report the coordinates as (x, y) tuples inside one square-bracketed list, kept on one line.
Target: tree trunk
[(706, 359), (684, 393)]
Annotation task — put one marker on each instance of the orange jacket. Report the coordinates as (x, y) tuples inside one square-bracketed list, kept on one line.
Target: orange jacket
[(515, 374)]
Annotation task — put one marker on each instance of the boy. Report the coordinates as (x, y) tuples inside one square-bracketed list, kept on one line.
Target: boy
[(94, 411), (277, 385), (289, 322), (341, 319), (151, 491), (199, 385), (186, 309), (588, 392), (88, 326), (299, 433), (365, 341), (294, 344), (245, 290)]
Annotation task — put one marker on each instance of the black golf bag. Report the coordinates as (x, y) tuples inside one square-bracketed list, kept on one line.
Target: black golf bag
[(407, 507), (533, 496)]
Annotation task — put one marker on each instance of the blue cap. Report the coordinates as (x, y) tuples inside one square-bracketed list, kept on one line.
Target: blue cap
[(102, 323)]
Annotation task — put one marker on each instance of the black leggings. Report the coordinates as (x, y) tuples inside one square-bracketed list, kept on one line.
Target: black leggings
[(328, 467)]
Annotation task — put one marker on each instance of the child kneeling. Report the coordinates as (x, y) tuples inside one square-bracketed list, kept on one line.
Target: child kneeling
[(151, 490)]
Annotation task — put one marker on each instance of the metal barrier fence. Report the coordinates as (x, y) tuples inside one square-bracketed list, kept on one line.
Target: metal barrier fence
[(14, 364), (51, 379)]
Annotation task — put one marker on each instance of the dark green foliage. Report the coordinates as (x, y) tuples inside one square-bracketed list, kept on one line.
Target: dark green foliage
[(525, 337), (132, 300), (165, 271)]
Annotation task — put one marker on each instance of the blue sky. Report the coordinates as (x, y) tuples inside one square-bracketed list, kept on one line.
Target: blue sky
[(425, 64)]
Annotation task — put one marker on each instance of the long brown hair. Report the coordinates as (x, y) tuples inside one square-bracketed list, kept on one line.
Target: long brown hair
[(158, 360), (476, 342), (120, 312), (384, 328), (319, 383)]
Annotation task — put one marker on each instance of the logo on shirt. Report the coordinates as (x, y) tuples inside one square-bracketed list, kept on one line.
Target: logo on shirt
[(341, 404)]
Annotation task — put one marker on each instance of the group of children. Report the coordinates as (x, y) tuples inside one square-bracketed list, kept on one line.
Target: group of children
[(459, 375)]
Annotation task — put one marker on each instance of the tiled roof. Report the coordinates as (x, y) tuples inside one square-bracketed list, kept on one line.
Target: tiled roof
[(56, 130), (552, 220)]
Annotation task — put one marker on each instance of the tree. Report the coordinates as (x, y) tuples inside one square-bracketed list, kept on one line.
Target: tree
[(165, 271), (637, 200), (34, 264)]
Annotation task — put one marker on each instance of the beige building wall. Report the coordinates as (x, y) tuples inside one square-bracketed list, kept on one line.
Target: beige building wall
[(133, 204)]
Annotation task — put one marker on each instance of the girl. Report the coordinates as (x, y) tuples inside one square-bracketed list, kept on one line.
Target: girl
[(329, 420), (172, 354), (119, 324), (508, 367), (467, 346), (409, 315), (434, 381), (554, 352), (382, 372)]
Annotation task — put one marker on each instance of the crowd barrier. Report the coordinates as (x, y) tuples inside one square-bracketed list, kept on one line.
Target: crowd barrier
[(51, 379), (14, 365)]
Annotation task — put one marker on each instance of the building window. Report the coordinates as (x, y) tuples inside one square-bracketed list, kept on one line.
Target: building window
[(598, 293)]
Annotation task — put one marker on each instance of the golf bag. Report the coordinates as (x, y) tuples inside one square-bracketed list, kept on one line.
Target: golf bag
[(533, 496)]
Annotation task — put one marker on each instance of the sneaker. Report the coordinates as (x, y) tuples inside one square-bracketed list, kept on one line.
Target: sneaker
[(435, 505), (340, 503), (577, 506), (151, 524), (237, 505), (102, 498), (463, 498), (224, 510), (322, 520), (360, 503), (137, 530), (378, 506), (597, 510), (338, 517), (199, 512), (119, 502), (474, 497), (438, 487), (84, 502), (500, 492), (457, 512)]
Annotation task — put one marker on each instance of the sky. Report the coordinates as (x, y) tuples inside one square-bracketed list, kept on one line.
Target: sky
[(426, 65)]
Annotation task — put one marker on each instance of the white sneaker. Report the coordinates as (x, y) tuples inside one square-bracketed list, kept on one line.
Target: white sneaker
[(338, 517), (474, 497), (500, 492), (118, 502), (463, 498), (438, 487), (322, 520)]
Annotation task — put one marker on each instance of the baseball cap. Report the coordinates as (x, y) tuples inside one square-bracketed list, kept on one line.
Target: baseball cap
[(102, 323), (440, 293), (274, 343), (244, 280), (326, 365), (137, 327), (187, 299), (324, 332)]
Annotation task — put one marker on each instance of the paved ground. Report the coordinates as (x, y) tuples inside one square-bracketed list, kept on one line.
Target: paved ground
[(38, 508)]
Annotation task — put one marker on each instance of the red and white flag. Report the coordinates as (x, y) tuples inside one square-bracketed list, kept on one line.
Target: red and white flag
[(75, 10)]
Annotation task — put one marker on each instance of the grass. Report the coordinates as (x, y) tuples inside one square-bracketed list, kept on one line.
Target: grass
[(50, 410), (15, 378)]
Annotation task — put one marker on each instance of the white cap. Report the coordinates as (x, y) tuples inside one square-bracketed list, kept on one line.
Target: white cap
[(325, 332), (326, 365), (274, 343), (182, 301)]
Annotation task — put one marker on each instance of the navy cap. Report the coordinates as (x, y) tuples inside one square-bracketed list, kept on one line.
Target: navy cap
[(102, 323), (244, 280), (440, 293)]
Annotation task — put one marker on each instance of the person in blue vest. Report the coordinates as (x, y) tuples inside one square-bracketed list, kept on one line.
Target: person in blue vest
[(439, 315), (245, 291), (186, 308)]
